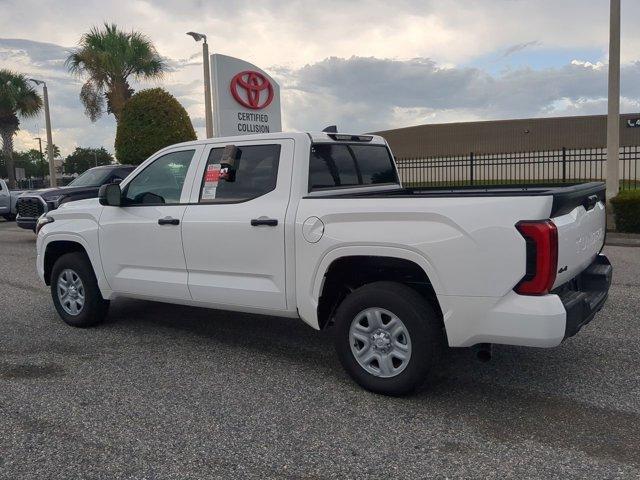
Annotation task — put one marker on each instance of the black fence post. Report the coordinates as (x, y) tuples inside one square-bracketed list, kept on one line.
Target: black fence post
[(471, 168), (564, 164)]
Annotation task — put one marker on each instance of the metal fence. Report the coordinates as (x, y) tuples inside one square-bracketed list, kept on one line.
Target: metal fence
[(553, 166)]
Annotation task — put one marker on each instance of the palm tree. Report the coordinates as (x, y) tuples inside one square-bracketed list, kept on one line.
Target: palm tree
[(18, 99), (108, 56)]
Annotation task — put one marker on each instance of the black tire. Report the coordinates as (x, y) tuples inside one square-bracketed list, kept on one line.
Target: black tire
[(9, 217), (95, 308), (421, 321)]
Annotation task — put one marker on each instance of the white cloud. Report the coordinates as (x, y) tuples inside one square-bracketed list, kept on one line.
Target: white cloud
[(362, 64), (586, 64), (371, 93), (295, 32)]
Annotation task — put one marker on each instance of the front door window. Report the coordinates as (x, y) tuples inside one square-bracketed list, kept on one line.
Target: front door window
[(161, 182)]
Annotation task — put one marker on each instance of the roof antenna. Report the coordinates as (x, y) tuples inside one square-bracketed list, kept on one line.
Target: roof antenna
[(330, 129)]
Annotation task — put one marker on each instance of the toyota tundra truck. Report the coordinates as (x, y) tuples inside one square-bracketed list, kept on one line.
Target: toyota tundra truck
[(318, 226)]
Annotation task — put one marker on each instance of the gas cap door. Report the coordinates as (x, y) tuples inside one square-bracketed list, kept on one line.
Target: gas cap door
[(312, 229)]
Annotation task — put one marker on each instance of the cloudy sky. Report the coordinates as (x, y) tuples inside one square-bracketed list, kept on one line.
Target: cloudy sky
[(363, 65)]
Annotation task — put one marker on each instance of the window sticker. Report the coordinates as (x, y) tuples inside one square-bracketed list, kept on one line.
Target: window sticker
[(211, 178)]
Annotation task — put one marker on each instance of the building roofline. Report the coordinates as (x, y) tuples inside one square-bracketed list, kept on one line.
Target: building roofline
[(503, 121)]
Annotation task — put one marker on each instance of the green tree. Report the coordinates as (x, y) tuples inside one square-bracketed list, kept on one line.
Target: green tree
[(107, 57), (151, 120), (83, 159), (17, 99), (40, 162), (35, 165)]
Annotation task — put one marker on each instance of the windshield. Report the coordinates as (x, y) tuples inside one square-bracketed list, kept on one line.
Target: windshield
[(91, 178)]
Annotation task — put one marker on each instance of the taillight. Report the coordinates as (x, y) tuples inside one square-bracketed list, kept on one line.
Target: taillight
[(542, 257)]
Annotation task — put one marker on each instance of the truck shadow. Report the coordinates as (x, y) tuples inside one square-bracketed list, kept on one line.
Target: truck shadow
[(283, 338), (507, 401)]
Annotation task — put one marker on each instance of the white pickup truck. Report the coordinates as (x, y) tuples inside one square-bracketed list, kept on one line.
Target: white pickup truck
[(318, 227)]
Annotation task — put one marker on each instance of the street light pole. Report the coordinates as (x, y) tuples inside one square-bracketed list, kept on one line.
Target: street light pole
[(47, 118), (613, 113), (41, 156), (207, 81)]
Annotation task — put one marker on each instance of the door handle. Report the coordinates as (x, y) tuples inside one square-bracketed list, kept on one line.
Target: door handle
[(168, 221), (269, 222)]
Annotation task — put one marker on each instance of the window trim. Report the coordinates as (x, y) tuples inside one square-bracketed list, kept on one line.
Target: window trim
[(228, 202), (160, 155), (311, 190)]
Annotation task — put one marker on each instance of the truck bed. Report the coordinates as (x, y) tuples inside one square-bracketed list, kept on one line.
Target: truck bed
[(566, 197)]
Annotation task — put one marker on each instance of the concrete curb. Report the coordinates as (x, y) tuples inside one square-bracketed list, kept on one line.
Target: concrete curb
[(615, 239)]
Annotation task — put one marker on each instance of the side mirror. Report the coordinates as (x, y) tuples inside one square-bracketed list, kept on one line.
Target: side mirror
[(110, 195), (228, 163), (117, 180)]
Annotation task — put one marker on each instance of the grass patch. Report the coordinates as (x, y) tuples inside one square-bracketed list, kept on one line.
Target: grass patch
[(626, 210)]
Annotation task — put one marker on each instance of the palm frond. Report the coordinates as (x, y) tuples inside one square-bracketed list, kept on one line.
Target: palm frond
[(30, 104), (17, 95), (92, 97)]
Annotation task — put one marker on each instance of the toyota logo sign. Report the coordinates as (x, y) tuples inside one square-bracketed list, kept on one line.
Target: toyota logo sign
[(246, 99), (252, 90)]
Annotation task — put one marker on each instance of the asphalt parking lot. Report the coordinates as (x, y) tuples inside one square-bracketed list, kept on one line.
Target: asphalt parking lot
[(162, 391)]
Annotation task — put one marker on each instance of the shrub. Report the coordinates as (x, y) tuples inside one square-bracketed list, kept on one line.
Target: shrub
[(626, 210), (151, 120)]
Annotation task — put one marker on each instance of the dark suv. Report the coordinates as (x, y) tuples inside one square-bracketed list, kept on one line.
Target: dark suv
[(30, 205)]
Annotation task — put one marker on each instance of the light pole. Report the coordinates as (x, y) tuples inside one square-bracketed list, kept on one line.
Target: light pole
[(41, 156), (47, 118), (207, 81), (613, 113)]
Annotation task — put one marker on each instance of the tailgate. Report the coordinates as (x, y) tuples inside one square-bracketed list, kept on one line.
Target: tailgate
[(581, 230)]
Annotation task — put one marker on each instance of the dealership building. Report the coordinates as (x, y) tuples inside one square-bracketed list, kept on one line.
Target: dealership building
[(527, 150)]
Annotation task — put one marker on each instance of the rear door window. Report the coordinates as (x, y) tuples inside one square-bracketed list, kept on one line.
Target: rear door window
[(256, 173), (341, 165)]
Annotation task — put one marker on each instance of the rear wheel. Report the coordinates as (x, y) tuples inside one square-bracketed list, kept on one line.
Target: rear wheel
[(388, 337), (9, 217), (75, 291)]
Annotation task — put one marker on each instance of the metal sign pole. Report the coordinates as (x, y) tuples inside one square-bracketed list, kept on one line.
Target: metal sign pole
[(613, 115)]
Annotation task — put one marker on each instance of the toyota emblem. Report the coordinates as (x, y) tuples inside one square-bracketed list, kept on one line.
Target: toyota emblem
[(252, 89)]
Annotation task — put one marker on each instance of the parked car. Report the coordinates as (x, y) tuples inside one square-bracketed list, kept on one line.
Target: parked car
[(8, 201), (319, 227), (32, 204)]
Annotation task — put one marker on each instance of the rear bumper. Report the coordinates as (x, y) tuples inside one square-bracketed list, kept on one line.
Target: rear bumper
[(528, 320), (585, 295)]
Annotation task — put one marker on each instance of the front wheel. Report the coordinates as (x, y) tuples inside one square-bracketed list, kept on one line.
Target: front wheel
[(388, 337), (9, 217), (75, 291)]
